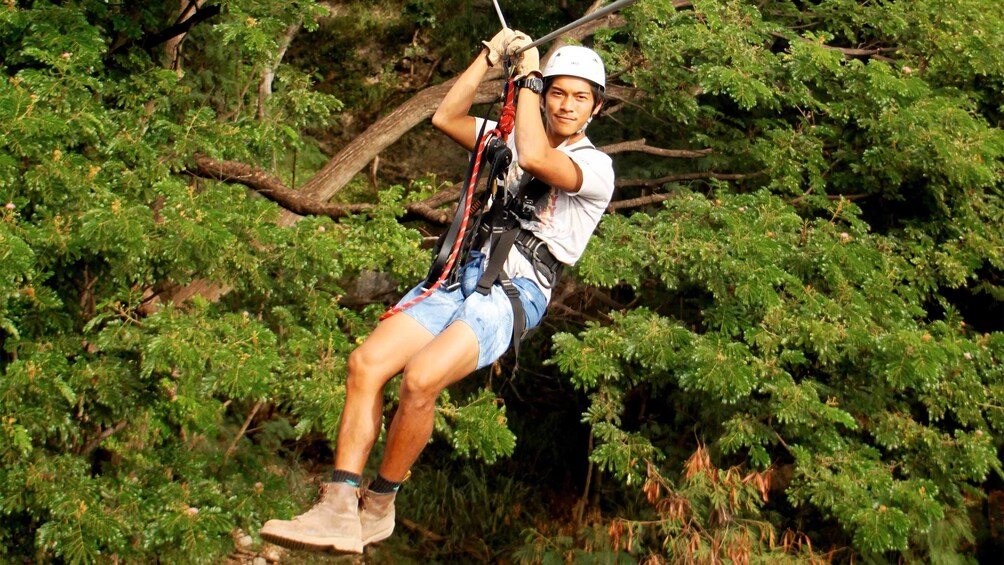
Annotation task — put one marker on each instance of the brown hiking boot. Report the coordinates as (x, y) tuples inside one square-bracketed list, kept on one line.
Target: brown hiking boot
[(376, 516), (332, 524)]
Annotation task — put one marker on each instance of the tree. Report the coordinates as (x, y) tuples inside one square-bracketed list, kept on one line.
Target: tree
[(781, 333), (125, 428), (817, 323)]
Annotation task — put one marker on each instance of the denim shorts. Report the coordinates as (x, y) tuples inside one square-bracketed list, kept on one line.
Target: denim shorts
[(490, 316)]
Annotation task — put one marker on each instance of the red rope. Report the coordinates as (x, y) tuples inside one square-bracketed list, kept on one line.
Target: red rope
[(507, 118)]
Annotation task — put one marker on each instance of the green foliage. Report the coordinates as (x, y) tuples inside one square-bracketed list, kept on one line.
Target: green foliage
[(813, 346), (822, 320), (477, 427), (817, 313), (121, 408)]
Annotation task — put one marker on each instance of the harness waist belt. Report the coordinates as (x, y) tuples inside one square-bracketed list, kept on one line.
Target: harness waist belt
[(535, 250)]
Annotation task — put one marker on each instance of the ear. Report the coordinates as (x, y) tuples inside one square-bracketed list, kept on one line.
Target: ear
[(596, 110)]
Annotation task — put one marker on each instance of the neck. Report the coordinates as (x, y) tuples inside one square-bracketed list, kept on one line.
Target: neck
[(555, 139)]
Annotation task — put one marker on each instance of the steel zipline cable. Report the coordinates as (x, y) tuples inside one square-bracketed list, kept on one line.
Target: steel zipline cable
[(579, 22)]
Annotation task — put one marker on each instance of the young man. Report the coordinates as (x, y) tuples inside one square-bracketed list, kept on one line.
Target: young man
[(450, 334)]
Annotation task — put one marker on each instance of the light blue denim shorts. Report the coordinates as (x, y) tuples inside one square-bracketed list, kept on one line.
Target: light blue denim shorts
[(490, 316)]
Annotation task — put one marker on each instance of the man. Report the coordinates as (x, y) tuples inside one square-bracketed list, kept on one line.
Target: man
[(450, 334)]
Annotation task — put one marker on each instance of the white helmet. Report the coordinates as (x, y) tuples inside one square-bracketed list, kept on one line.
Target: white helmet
[(575, 61)]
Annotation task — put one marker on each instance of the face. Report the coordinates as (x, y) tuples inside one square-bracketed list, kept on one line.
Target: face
[(568, 104)]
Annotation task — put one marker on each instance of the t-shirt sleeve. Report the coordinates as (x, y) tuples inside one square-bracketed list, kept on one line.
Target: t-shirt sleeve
[(597, 174)]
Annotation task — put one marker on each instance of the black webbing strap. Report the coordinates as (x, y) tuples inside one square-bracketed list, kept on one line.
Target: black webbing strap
[(518, 315), (498, 156), (505, 232), (502, 240), (544, 262)]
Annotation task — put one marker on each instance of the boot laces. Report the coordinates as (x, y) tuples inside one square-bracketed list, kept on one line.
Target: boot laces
[(325, 504)]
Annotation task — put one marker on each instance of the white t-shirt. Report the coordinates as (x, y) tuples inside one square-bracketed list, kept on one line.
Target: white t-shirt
[(564, 220)]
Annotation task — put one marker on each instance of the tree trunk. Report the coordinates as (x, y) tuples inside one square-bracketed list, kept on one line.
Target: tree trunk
[(337, 172), (173, 45)]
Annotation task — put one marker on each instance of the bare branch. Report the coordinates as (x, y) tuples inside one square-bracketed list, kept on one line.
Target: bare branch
[(105, 434), (639, 145), (849, 197), (241, 432), (638, 202), (182, 27), (272, 188), (850, 52), (388, 129), (172, 46), (297, 201), (649, 183), (656, 198)]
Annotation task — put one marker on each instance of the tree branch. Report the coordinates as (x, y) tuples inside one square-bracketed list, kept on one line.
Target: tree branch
[(183, 27), (270, 187), (180, 28), (172, 47), (268, 73), (297, 201), (337, 172), (649, 183), (850, 52), (241, 432), (639, 145), (639, 202), (105, 434)]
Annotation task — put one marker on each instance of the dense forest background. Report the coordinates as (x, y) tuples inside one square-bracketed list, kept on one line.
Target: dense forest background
[(784, 343)]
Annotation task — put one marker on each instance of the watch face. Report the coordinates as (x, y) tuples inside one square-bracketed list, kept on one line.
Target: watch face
[(536, 84)]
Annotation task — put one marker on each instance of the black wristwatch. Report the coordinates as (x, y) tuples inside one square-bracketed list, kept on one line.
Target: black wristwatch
[(534, 83)]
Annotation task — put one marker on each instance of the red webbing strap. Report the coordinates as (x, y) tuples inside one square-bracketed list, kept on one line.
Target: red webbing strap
[(507, 119)]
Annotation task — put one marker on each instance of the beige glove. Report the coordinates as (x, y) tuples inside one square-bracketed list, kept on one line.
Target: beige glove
[(526, 62), (497, 46)]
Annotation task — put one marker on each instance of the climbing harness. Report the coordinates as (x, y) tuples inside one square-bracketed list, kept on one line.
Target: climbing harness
[(497, 214), (493, 150), (492, 220)]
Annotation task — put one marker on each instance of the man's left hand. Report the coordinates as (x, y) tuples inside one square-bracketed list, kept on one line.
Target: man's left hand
[(528, 61)]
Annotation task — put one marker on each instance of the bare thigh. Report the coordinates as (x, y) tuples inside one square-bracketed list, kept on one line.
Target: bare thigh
[(448, 358), (388, 349)]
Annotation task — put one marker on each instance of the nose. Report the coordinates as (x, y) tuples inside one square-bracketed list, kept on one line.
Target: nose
[(566, 103)]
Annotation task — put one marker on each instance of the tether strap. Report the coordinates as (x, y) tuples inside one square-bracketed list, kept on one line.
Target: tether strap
[(501, 242), (506, 231), (518, 316)]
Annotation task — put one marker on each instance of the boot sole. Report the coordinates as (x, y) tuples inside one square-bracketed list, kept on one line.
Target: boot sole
[(331, 545)]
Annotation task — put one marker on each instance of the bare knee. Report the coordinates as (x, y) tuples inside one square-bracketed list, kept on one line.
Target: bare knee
[(419, 386), (365, 372)]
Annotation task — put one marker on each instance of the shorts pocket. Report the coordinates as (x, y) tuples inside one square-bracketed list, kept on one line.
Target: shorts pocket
[(533, 300), (472, 272)]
